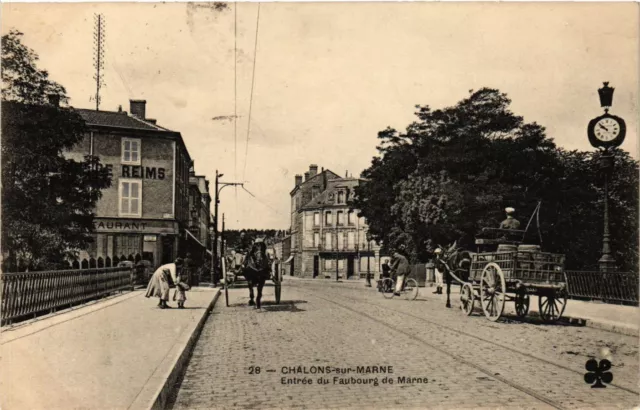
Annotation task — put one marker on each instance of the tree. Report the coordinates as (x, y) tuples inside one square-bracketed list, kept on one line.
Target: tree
[(454, 170), (47, 199)]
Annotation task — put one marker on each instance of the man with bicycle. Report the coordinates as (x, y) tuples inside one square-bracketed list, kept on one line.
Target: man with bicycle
[(400, 268)]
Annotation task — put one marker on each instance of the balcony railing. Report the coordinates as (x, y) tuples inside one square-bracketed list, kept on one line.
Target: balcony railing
[(30, 293)]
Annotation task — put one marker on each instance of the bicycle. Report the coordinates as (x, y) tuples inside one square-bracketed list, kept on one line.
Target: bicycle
[(409, 289)]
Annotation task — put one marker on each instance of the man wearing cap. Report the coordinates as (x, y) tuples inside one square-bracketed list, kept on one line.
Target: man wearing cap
[(439, 271), (510, 222)]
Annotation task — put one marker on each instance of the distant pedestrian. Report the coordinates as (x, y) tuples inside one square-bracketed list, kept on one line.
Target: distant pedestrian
[(440, 267), (162, 281), (188, 270)]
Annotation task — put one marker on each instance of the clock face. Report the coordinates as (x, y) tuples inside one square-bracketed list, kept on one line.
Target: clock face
[(607, 129)]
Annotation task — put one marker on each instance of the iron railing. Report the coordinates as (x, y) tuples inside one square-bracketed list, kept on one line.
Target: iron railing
[(606, 286), (27, 294)]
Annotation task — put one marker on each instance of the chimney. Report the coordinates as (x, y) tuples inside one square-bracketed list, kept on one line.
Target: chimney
[(54, 99), (151, 120), (119, 108), (306, 176), (138, 108), (298, 179), (313, 170)]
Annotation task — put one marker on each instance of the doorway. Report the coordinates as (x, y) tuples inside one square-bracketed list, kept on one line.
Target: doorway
[(349, 266), (167, 249), (316, 265)]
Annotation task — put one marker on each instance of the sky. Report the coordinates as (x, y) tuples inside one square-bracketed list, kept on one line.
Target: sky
[(329, 76)]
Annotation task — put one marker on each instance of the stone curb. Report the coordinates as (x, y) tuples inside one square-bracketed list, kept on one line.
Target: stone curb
[(168, 373), (609, 326)]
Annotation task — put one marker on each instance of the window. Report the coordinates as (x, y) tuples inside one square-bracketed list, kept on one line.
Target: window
[(131, 151), (351, 218), (351, 240), (340, 218), (316, 239), (340, 264), (327, 263), (341, 197), (327, 240), (315, 191), (316, 219), (341, 240), (130, 197), (327, 218)]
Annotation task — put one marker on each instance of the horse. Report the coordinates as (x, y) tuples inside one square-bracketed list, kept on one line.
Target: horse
[(456, 262), (256, 271)]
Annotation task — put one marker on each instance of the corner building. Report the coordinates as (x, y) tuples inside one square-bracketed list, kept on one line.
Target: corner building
[(328, 239), (145, 212)]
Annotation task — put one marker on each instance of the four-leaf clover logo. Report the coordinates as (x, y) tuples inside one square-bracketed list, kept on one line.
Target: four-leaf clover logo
[(597, 373)]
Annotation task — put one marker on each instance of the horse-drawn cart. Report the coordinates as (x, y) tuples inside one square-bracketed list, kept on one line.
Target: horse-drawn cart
[(513, 273), (230, 276)]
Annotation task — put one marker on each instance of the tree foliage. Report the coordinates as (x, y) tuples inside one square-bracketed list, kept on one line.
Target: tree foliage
[(47, 199), (454, 170)]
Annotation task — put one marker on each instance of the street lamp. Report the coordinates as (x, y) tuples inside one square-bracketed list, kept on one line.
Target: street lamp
[(606, 131)]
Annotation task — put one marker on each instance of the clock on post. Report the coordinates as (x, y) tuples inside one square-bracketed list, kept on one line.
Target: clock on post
[(606, 131)]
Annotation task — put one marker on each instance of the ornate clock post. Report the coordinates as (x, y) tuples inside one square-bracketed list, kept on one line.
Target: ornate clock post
[(606, 131)]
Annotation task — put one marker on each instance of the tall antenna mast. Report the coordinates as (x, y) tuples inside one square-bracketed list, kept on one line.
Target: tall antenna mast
[(98, 57)]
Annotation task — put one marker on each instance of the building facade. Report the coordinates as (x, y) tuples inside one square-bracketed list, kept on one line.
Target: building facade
[(146, 212), (198, 242), (328, 239)]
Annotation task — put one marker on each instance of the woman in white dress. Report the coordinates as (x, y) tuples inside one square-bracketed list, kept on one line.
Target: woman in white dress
[(163, 279)]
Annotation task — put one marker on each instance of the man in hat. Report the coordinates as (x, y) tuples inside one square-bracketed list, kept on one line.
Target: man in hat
[(510, 222), (439, 271), (400, 268)]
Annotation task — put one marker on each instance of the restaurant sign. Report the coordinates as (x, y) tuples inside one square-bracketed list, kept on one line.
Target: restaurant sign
[(135, 226)]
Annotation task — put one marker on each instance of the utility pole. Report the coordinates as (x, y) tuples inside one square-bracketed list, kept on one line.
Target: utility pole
[(214, 257), (222, 240), (336, 247), (98, 57)]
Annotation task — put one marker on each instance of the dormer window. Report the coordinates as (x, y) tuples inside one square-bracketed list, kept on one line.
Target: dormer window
[(341, 197)]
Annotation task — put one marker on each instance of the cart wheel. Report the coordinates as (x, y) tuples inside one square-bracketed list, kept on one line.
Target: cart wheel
[(551, 307), (522, 304), (388, 287), (492, 291), (410, 289), (467, 298)]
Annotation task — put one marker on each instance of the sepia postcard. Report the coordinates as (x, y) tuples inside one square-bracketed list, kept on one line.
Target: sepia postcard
[(320, 205)]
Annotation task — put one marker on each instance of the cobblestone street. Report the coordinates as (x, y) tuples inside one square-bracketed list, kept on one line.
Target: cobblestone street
[(439, 357)]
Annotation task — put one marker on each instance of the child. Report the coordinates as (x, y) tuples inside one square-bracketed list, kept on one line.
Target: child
[(180, 294)]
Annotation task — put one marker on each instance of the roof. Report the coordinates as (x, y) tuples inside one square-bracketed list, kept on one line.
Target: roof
[(329, 195), (116, 119), (317, 178)]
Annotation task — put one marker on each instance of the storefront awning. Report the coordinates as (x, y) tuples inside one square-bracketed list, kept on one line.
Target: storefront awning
[(194, 238), (209, 252), (289, 260)]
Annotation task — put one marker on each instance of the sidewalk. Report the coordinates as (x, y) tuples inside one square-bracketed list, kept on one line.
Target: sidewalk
[(613, 318), (116, 354)]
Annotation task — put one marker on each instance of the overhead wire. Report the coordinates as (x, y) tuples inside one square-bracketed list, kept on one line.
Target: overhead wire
[(253, 79), (262, 202)]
